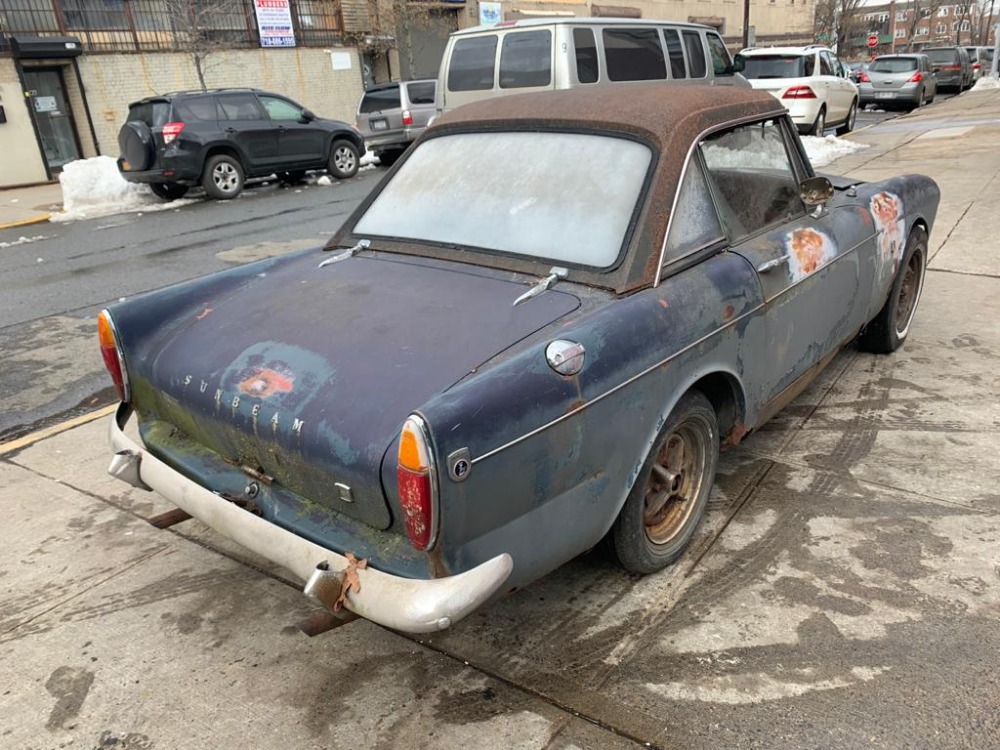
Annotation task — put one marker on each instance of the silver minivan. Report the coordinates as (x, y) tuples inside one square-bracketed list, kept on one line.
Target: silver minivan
[(543, 54)]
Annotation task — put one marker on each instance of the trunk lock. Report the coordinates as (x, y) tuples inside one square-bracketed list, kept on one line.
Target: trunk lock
[(252, 490)]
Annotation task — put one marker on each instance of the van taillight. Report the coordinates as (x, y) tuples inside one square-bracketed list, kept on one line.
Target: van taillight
[(417, 481), (112, 355), (171, 130), (407, 117)]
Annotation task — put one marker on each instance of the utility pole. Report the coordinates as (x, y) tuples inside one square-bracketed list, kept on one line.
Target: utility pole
[(746, 23), (996, 51)]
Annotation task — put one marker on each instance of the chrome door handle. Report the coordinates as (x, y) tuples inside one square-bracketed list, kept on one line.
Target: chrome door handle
[(772, 264), (230, 130)]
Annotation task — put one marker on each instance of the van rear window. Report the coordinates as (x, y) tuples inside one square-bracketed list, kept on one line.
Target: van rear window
[(472, 64), (634, 55), (526, 59)]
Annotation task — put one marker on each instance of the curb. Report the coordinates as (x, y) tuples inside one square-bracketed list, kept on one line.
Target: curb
[(26, 222), (34, 437)]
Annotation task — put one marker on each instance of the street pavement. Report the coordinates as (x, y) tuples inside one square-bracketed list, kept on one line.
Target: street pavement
[(844, 591)]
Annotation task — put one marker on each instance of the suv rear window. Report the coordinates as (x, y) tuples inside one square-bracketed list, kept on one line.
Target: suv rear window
[(634, 55), (526, 59), (779, 66), (942, 55), (894, 65), (153, 114), (472, 64), (380, 99), (421, 93)]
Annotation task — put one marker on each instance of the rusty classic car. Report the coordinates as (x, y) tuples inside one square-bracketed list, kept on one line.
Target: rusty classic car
[(534, 334)]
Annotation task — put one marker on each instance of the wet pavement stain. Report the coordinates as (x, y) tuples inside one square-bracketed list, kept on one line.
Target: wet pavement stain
[(69, 686)]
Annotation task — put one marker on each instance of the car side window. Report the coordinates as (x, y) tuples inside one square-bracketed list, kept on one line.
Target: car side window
[(752, 176), (678, 68), (696, 54), (240, 107), (472, 64), (585, 48), (721, 62), (421, 93), (526, 59), (634, 55), (825, 66), (279, 109), (694, 222)]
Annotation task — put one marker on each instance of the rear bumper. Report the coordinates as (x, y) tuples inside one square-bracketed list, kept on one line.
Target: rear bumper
[(410, 605), (183, 169), (377, 140), (909, 94)]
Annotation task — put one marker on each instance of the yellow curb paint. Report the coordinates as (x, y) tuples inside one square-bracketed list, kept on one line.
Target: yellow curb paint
[(27, 222), (69, 424)]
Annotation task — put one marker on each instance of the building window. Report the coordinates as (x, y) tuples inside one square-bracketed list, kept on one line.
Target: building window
[(965, 26), (943, 11), (921, 32), (900, 33), (940, 28), (900, 16)]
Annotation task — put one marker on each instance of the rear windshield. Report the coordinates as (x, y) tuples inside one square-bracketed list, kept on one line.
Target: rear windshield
[(778, 66), (153, 114), (472, 64), (421, 93), (516, 206), (942, 55), (894, 65), (381, 99)]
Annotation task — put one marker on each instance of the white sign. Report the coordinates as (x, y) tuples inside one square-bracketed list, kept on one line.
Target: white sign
[(489, 14), (45, 104), (341, 60), (274, 21)]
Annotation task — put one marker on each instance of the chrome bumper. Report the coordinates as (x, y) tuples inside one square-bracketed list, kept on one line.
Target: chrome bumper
[(410, 605)]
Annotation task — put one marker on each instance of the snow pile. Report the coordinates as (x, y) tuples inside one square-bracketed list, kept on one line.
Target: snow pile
[(987, 83), (369, 160), (325, 181), (93, 187), (24, 241), (822, 151)]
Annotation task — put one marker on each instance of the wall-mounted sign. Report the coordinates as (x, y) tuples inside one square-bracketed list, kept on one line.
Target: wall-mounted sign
[(45, 104), (274, 22), (341, 60), (489, 13)]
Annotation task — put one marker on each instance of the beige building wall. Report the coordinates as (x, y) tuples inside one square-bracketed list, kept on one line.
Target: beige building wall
[(306, 75), (20, 159)]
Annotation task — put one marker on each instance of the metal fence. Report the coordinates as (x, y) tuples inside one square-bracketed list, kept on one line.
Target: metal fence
[(162, 25)]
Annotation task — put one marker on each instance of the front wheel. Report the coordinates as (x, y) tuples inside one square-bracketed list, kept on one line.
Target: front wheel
[(852, 116), (223, 177), (820, 125), (168, 191), (344, 159), (668, 500), (887, 331)]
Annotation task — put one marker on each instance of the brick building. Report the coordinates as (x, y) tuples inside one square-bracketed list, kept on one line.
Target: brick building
[(914, 24)]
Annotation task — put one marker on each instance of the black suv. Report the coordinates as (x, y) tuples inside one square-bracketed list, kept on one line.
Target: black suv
[(219, 138)]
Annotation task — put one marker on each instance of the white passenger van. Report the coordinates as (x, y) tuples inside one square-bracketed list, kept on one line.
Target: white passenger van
[(543, 54)]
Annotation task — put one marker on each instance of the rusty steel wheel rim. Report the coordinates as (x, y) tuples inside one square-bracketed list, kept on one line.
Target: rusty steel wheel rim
[(909, 293), (675, 482)]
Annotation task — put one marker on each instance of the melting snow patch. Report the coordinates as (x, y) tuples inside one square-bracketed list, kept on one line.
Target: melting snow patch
[(93, 187), (324, 180), (822, 151), (987, 83), (24, 241)]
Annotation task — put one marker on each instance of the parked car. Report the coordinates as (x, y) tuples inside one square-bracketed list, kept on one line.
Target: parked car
[(856, 70), (981, 59), (952, 67), (543, 54), (392, 115), (810, 81), (219, 138), (899, 80), (514, 371)]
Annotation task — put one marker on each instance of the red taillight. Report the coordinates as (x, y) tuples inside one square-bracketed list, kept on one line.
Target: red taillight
[(975, 66), (916, 77), (799, 92), (415, 478), (865, 78), (407, 117), (112, 354), (171, 130)]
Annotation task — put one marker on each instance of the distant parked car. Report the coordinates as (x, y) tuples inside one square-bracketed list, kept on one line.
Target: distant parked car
[(899, 80), (219, 138), (952, 66), (981, 59), (857, 69), (488, 370), (392, 115), (810, 81)]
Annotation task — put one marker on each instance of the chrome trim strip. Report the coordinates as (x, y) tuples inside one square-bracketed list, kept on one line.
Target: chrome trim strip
[(618, 387)]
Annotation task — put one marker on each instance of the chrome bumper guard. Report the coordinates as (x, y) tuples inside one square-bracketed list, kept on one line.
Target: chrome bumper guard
[(410, 605)]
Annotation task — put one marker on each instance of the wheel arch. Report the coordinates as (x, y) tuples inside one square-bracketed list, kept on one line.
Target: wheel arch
[(724, 390), (228, 150)]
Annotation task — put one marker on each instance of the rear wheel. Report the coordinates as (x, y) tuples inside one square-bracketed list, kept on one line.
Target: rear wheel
[(223, 177), (668, 500), (820, 124), (852, 116), (887, 331), (344, 159), (168, 191)]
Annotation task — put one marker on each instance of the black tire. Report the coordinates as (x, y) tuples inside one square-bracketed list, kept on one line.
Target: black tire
[(820, 124), (168, 191), (291, 178), (852, 116), (344, 159), (389, 157), (668, 500), (223, 177), (887, 331)]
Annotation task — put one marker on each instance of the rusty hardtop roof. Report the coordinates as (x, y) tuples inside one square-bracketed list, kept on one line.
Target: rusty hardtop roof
[(667, 116)]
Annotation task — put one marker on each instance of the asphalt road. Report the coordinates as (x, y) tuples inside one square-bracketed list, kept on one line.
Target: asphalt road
[(52, 288)]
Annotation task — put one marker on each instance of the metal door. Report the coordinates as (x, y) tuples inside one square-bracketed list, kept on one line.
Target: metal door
[(53, 116)]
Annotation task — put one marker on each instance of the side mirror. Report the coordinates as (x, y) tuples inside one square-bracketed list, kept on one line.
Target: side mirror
[(815, 191), (307, 115), (739, 64)]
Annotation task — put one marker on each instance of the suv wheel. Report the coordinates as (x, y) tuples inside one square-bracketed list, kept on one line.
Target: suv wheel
[(344, 159), (820, 125), (168, 191), (223, 177)]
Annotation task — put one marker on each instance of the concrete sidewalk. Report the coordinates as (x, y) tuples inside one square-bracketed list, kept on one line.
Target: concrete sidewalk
[(843, 593), (29, 205)]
